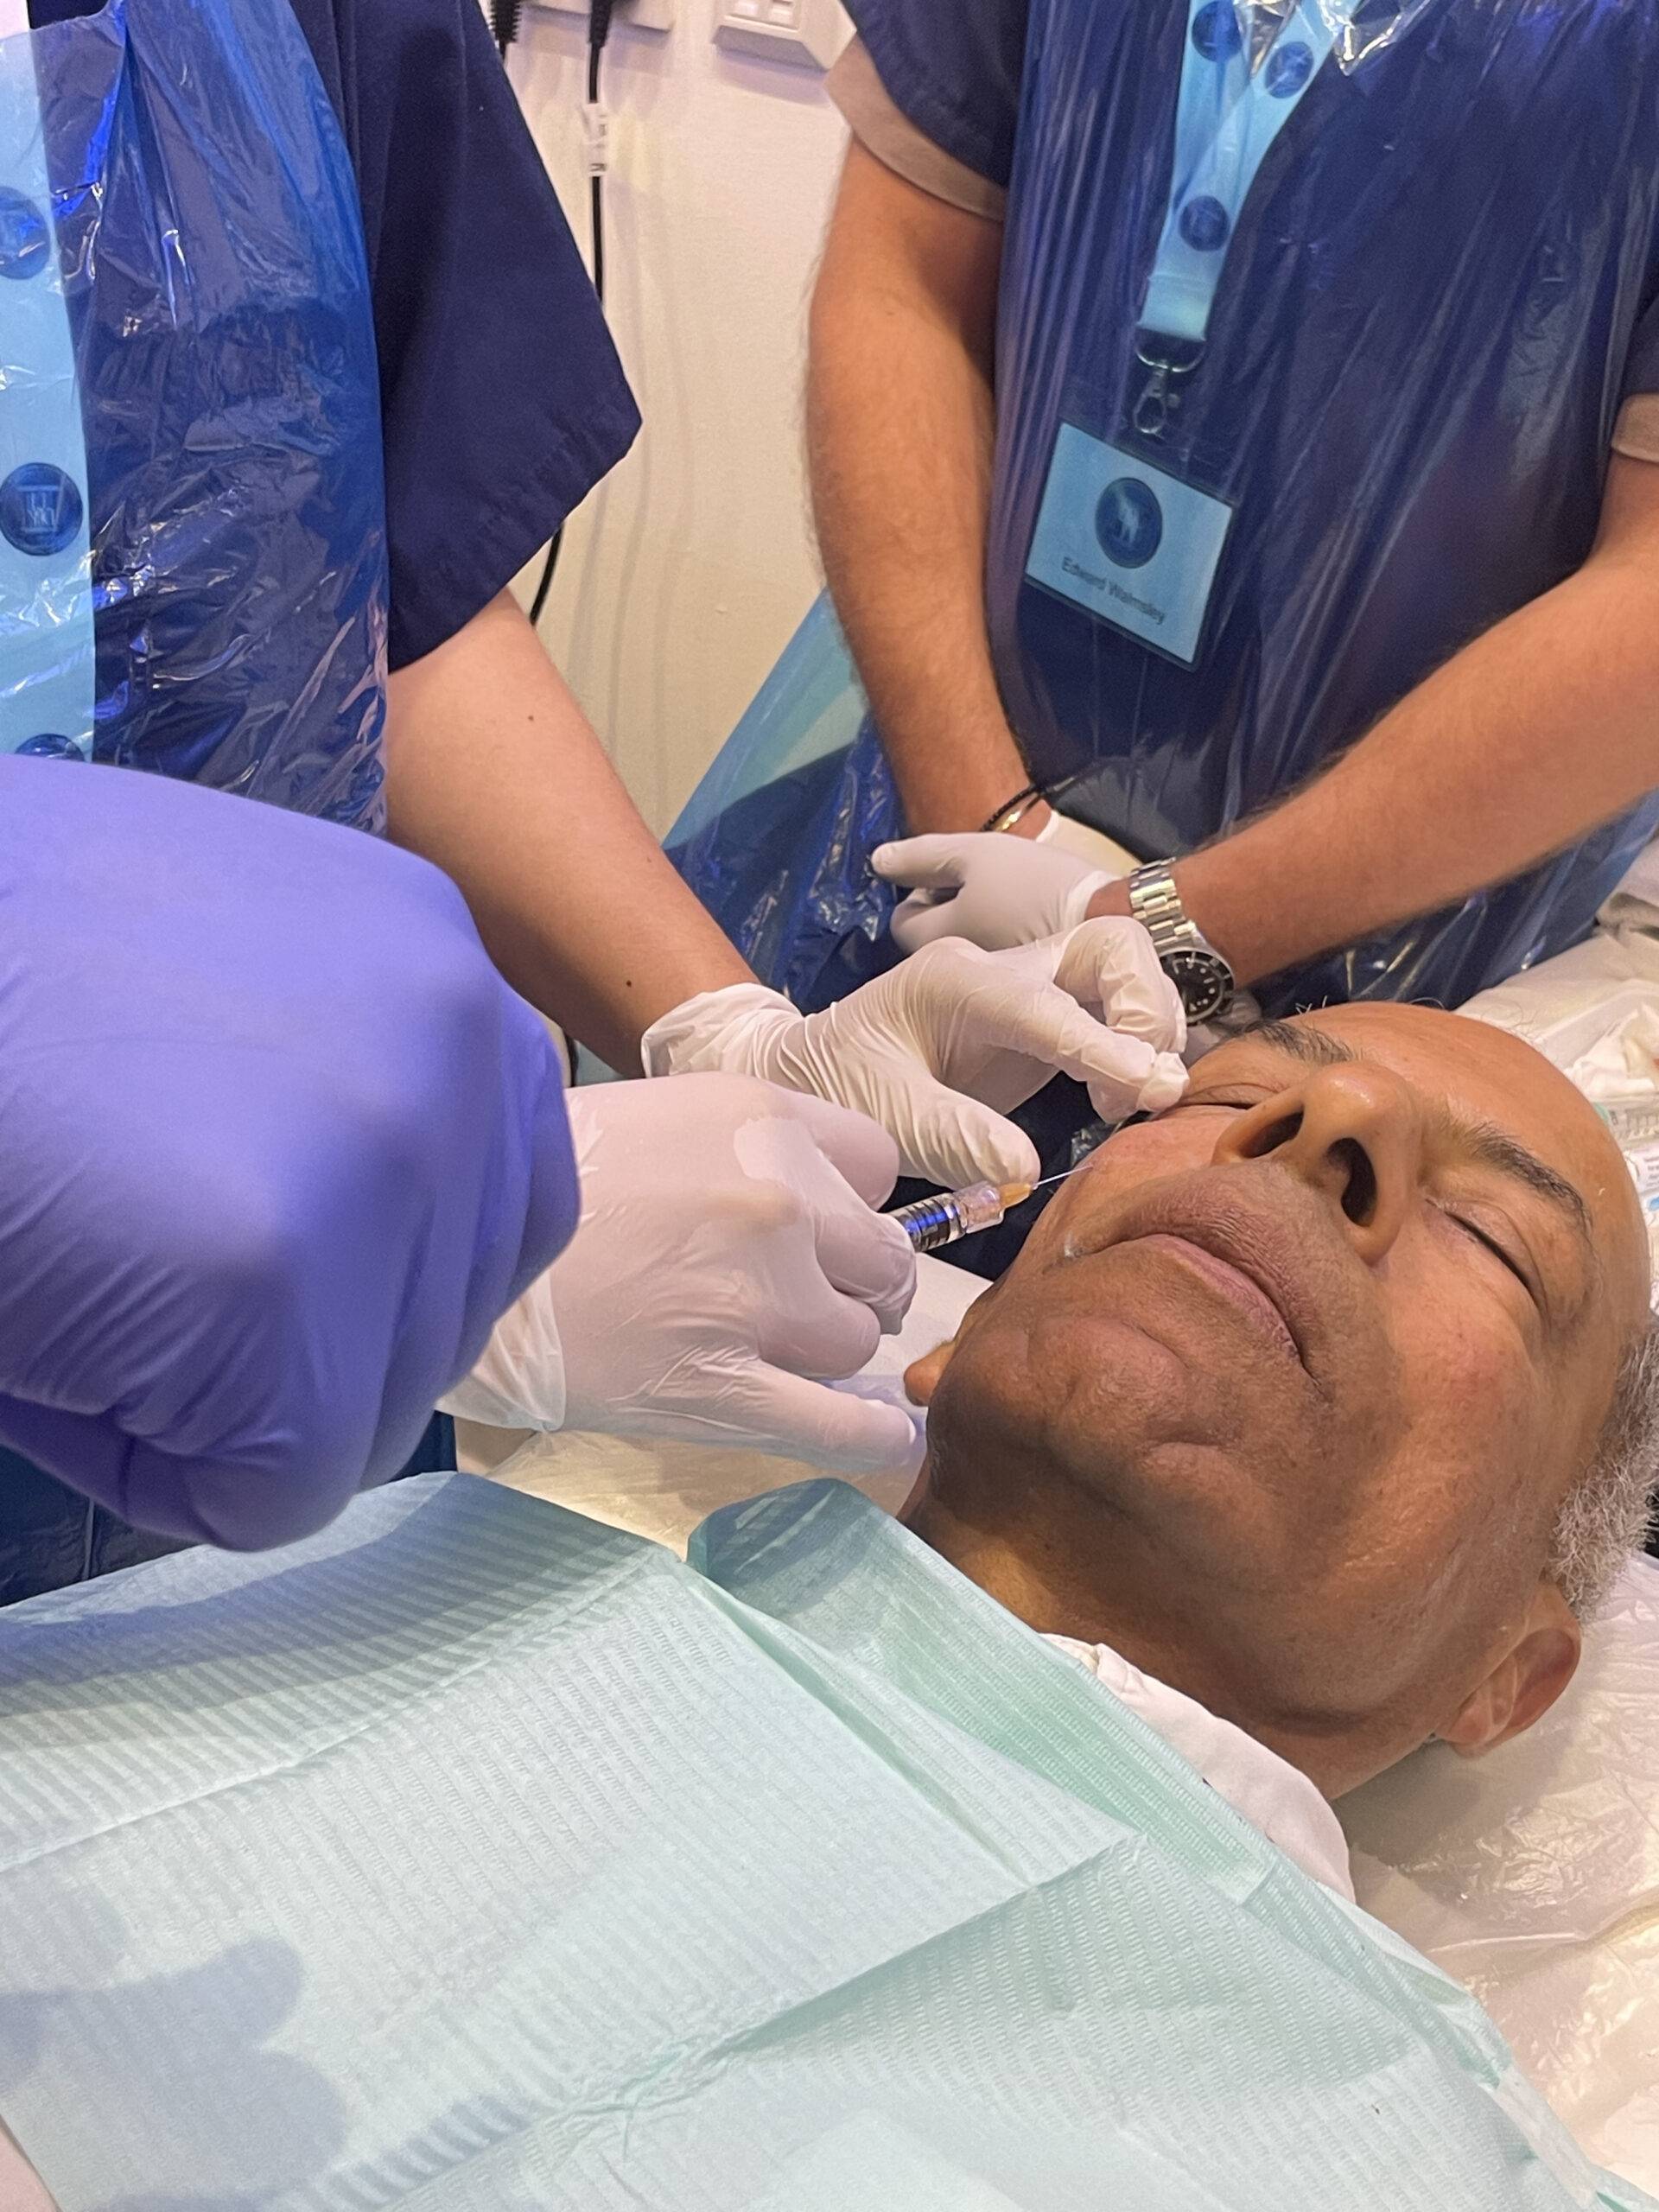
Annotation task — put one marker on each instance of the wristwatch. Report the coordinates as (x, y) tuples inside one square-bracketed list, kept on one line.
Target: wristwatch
[(1190, 961)]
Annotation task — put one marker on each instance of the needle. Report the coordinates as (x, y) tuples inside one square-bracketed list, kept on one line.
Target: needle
[(931, 1224), (1060, 1178)]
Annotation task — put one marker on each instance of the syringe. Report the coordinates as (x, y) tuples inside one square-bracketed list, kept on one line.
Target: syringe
[(951, 1215), (948, 1215)]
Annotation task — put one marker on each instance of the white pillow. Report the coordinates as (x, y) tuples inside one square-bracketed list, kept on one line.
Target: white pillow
[(1532, 1876)]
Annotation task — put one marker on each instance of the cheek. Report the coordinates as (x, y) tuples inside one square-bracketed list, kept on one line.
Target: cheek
[(1183, 1140), (1474, 1404)]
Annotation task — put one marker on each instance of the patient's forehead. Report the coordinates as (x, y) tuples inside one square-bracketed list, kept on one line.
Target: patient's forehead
[(1481, 1073)]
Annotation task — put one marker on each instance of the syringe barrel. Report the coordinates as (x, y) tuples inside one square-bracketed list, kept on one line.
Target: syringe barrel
[(930, 1222)]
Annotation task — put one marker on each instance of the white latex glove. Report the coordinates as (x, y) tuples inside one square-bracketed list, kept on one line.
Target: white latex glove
[(726, 1257), (929, 1049), (1091, 845), (994, 889)]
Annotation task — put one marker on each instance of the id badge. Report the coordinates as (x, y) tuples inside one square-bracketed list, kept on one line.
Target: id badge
[(1128, 543)]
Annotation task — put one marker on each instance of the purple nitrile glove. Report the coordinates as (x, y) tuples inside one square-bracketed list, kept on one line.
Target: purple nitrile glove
[(276, 1146)]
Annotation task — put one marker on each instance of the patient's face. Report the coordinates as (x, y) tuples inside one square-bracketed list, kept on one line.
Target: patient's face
[(1323, 1349)]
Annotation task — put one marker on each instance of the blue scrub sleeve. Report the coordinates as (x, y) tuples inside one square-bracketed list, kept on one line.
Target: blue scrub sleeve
[(953, 68), (503, 400)]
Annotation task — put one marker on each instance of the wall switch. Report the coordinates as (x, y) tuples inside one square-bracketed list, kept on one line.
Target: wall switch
[(810, 33), (643, 14)]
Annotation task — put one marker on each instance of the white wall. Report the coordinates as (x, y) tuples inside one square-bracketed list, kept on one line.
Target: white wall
[(683, 576)]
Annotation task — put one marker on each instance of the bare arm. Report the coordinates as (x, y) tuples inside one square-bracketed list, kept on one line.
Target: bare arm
[(900, 423), (493, 773), (1523, 742)]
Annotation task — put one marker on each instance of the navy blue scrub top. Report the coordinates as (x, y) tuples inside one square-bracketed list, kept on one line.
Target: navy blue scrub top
[(503, 399)]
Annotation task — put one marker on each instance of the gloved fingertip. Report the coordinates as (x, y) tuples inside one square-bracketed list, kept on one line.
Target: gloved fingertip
[(1113, 1058), (894, 1303), (1164, 1087), (976, 1145), (880, 1440)]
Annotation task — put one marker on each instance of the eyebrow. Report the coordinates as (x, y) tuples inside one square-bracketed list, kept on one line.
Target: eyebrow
[(1496, 1149), (1492, 1147), (1314, 1048)]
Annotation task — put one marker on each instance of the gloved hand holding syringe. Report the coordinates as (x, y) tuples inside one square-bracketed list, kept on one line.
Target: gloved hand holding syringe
[(732, 1259), (948, 1216)]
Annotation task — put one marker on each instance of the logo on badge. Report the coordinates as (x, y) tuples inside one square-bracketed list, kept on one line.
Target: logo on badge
[(40, 509), (1130, 523)]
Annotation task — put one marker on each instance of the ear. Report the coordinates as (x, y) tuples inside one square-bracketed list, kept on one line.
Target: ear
[(1524, 1685)]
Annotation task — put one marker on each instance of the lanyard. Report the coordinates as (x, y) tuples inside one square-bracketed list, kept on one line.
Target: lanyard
[(46, 685), (1237, 93)]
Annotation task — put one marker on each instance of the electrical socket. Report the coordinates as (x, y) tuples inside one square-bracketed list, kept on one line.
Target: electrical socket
[(643, 14), (810, 33)]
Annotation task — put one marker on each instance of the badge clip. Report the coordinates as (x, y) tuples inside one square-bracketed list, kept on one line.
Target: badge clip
[(1161, 395)]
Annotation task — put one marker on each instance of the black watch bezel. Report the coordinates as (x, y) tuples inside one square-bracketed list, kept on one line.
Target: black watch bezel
[(1203, 978)]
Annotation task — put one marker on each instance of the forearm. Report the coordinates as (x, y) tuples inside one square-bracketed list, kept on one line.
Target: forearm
[(901, 429), (493, 773), (1540, 730)]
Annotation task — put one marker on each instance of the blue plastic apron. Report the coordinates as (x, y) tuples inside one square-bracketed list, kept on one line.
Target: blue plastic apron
[(192, 570), (209, 247), (1418, 345)]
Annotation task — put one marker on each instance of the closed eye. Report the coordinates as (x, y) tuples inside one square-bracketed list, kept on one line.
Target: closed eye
[(1492, 1245), (1212, 1098)]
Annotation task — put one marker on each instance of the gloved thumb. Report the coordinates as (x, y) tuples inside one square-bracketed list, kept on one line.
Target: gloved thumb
[(921, 863), (801, 1420), (1164, 1088), (951, 1140)]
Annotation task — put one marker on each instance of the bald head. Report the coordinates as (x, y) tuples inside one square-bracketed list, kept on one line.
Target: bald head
[(1288, 1390)]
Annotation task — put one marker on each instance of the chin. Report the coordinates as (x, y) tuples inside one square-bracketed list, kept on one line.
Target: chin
[(1081, 1393), (1108, 1409), (1224, 1516)]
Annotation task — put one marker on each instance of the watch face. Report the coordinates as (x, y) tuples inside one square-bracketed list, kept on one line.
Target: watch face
[(1203, 978)]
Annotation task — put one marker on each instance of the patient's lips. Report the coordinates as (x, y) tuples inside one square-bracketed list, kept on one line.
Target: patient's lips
[(1230, 1281)]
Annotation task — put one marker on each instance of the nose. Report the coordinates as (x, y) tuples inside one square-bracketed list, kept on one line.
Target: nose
[(1355, 1135)]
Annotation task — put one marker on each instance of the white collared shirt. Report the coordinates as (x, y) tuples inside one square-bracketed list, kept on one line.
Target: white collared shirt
[(1276, 1798)]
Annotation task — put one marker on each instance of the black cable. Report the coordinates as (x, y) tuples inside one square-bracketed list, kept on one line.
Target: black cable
[(504, 21), (598, 30), (596, 183), (538, 605)]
